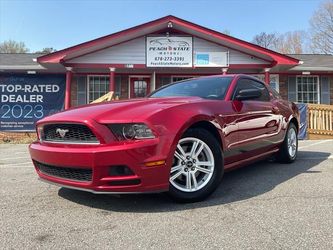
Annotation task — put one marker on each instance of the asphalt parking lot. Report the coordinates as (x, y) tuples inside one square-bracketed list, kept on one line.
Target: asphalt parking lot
[(263, 206)]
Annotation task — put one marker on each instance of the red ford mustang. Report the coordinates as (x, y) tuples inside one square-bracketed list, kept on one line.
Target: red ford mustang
[(179, 139)]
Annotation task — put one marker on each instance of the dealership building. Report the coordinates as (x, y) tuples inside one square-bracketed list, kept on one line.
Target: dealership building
[(138, 60)]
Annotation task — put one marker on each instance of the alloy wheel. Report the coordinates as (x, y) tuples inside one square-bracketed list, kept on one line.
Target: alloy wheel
[(292, 142), (193, 165)]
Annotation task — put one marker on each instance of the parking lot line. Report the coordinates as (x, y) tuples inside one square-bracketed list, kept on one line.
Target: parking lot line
[(316, 143), (315, 158), (25, 157), (21, 152), (18, 165)]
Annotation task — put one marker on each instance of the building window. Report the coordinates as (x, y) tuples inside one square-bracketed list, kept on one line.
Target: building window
[(180, 78), (81, 90), (118, 93), (163, 81), (261, 77), (273, 80), (98, 86), (307, 89)]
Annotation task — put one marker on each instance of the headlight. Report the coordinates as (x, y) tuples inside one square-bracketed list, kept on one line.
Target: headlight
[(131, 131)]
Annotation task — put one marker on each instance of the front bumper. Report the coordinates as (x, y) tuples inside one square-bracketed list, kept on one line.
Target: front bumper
[(100, 158)]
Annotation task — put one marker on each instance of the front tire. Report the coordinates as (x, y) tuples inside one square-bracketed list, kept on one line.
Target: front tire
[(289, 147), (197, 166)]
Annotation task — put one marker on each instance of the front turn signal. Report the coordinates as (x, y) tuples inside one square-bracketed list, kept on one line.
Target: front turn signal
[(154, 163)]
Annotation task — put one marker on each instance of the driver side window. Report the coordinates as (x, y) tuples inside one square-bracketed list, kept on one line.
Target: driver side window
[(245, 83)]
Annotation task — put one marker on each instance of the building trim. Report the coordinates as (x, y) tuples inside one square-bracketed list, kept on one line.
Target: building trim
[(57, 56), (64, 61)]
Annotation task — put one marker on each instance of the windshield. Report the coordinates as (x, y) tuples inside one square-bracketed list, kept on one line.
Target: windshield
[(209, 88)]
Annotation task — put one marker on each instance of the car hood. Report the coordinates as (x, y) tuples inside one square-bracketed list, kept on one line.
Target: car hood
[(121, 111)]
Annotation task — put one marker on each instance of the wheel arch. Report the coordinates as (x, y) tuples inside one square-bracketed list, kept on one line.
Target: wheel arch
[(210, 127), (295, 122), (199, 121), (203, 122)]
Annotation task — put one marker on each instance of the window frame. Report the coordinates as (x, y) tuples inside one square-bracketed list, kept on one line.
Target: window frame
[(140, 83), (254, 80), (318, 88), (88, 85)]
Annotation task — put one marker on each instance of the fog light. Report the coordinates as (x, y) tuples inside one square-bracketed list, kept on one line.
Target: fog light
[(125, 182), (120, 171)]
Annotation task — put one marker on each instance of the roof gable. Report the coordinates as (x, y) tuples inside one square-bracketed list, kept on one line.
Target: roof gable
[(133, 52), (166, 23)]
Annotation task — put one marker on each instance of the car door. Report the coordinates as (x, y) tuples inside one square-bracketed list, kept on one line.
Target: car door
[(258, 121)]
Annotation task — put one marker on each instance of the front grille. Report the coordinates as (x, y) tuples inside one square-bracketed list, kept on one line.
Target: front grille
[(68, 133), (77, 174)]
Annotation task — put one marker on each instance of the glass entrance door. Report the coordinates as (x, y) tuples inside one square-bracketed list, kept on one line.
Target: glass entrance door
[(139, 87)]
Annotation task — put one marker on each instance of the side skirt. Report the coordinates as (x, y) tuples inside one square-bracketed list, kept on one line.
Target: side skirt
[(250, 160)]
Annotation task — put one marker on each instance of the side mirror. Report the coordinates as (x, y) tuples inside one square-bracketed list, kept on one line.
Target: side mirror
[(248, 94)]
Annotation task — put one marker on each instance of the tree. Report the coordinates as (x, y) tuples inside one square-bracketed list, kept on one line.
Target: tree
[(321, 25), (292, 42), (266, 40), (11, 46), (47, 50)]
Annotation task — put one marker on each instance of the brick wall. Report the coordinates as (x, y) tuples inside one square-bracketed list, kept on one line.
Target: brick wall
[(74, 92), (283, 86)]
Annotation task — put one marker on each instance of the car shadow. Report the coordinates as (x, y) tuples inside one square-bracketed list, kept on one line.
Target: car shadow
[(237, 185)]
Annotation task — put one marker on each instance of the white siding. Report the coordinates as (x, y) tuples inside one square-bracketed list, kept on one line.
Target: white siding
[(133, 52), (235, 57)]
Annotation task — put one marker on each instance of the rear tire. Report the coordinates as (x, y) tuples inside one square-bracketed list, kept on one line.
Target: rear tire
[(197, 166), (289, 147)]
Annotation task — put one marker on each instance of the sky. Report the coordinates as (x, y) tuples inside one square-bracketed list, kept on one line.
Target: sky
[(64, 23)]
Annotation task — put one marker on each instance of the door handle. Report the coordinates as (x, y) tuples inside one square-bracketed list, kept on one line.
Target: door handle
[(275, 110)]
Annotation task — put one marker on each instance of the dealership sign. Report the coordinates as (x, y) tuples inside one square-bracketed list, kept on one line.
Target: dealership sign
[(25, 99), (169, 51), (211, 59)]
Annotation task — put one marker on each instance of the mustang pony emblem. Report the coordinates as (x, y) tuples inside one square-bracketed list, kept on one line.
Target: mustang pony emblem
[(61, 132)]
